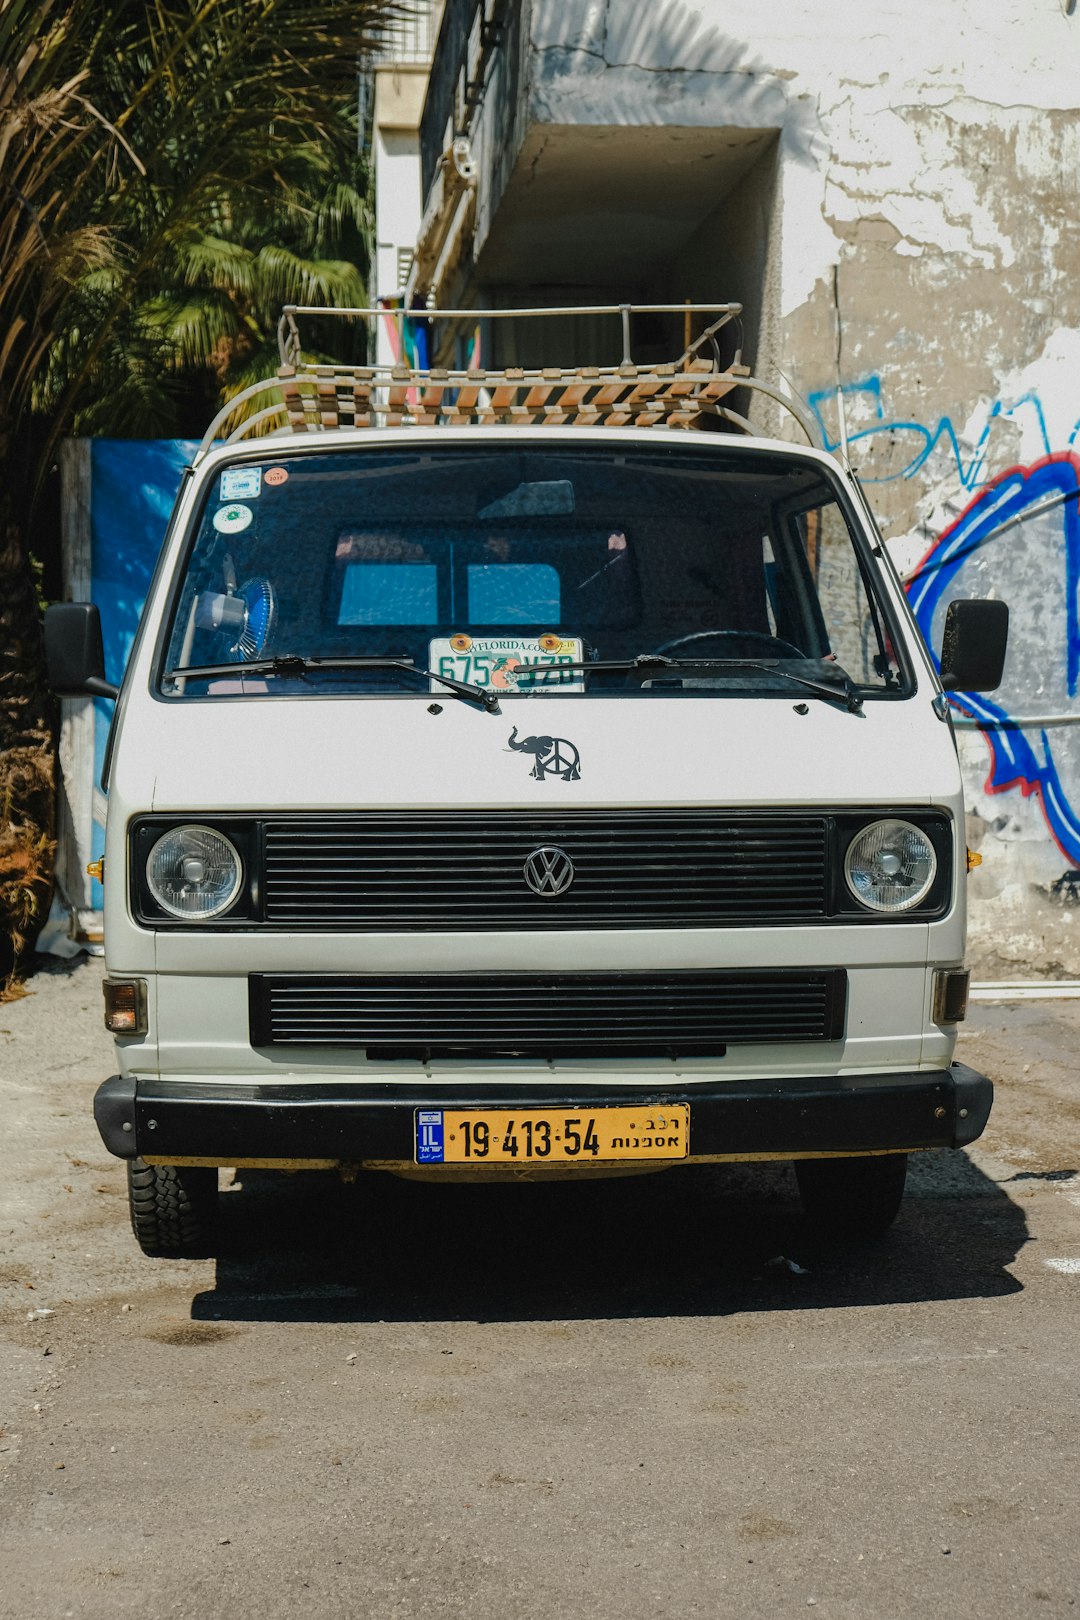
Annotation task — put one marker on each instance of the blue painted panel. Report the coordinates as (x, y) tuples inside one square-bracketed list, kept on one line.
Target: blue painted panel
[(133, 484)]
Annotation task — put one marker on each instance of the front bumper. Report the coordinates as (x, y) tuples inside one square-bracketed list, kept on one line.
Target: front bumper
[(231, 1123)]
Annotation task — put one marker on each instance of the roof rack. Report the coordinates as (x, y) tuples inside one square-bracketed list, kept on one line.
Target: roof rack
[(312, 398)]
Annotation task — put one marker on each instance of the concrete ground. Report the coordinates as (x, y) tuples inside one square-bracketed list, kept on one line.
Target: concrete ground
[(615, 1398)]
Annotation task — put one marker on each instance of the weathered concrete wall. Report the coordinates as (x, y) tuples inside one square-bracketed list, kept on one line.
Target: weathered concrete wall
[(934, 237), (891, 191), (916, 245)]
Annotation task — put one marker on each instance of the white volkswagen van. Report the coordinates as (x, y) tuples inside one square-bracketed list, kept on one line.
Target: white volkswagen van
[(513, 776)]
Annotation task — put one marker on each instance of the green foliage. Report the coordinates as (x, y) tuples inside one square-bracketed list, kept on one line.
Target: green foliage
[(176, 170), (171, 171)]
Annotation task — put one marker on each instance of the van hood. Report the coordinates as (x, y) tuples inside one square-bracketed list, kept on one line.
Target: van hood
[(556, 753)]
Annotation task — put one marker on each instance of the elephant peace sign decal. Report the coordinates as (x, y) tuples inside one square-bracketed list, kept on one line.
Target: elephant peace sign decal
[(552, 756)]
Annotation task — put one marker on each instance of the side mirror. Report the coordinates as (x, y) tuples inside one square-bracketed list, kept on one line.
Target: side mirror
[(973, 645), (74, 656)]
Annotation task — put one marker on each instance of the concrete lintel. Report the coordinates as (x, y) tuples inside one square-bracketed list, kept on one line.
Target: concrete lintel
[(399, 96)]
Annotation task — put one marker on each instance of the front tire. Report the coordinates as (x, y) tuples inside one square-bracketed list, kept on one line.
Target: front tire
[(852, 1198), (173, 1210)]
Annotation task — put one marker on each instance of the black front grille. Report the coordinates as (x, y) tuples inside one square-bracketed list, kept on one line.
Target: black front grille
[(464, 870), (546, 1015)]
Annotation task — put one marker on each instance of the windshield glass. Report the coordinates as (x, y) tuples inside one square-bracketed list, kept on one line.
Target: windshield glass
[(512, 567)]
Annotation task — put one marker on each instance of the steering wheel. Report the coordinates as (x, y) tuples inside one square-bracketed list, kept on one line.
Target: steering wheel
[(730, 635)]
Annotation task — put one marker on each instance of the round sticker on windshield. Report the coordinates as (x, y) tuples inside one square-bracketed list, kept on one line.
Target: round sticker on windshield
[(231, 519), (275, 476)]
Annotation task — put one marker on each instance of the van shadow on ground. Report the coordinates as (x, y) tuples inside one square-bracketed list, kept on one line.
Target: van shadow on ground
[(702, 1242)]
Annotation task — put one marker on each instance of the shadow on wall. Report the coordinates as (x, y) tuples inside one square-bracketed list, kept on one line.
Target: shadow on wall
[(658, 64), (700, 1242)]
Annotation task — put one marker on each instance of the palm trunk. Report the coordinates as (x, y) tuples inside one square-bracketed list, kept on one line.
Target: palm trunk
[(28, 770)]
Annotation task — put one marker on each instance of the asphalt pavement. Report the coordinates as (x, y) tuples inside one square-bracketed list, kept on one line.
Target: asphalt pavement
[(647, 1397)]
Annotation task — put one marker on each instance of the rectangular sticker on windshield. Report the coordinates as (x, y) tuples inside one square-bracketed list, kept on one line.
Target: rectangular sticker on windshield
[(509, 663), (240, 484)]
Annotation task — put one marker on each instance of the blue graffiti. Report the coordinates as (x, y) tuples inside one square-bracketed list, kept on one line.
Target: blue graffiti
[(1014, 762), (970, 465)]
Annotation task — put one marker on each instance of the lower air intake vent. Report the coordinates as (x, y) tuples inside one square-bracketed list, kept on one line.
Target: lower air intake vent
[(546, 1015)]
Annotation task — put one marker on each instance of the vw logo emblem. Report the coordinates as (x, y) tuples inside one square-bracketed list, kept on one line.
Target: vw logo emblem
[(549, 871)]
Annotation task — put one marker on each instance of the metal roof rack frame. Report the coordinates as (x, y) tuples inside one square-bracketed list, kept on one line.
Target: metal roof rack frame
[(312, 398)]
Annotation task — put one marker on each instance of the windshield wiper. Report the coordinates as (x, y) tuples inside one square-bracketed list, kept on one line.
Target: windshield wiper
[(287, 664), (845, 689), (846, 692)]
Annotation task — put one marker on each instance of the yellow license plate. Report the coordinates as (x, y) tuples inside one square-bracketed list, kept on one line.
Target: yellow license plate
[(551, 1135)]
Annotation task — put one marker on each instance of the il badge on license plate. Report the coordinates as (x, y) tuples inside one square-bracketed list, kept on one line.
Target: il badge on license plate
[(483, 1136)]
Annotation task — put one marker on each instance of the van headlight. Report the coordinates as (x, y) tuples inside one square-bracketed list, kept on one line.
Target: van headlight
[(890, 866), (194, 872)]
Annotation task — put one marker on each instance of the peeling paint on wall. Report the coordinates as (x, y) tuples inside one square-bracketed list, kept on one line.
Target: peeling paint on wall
[(993, 509), (1042, 400), (1020, 539), (890, 191), (1014, 534)]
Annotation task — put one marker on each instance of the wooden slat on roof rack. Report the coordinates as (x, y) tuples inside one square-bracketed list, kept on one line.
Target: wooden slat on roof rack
[(685, 393), (396, 396)]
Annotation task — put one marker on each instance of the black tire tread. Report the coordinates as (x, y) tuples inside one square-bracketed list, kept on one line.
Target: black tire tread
[(854, 1198), (173, 1209)]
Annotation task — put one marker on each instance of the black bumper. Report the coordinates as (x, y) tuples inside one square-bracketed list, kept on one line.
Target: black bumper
[(850, 1114)]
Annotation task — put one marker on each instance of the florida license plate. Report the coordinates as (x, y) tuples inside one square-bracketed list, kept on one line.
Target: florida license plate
[(509, 663), (551, 1135)]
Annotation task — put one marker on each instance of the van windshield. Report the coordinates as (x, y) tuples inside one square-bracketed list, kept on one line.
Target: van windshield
[(526, 571)]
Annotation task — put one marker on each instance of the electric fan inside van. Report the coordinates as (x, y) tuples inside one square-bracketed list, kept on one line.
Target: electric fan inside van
[(242, 615)]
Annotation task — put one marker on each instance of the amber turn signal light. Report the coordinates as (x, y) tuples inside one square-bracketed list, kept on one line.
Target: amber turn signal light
[(125, 1006)]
